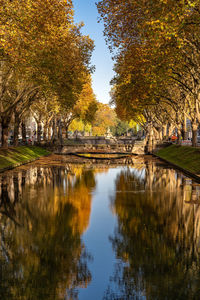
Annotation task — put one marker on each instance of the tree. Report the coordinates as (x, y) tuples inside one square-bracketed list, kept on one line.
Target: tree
[(105, 118), (120, 128), (163, 41), (42, 47), (44, 110), (84, 109)]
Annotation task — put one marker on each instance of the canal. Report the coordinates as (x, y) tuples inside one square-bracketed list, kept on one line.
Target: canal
[(78, 228)]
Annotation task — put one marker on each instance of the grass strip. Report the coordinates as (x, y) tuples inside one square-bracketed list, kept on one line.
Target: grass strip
[(14, 156), (185, 157)]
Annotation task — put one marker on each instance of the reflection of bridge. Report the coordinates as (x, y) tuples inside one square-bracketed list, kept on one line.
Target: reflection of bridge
[(135, 147)]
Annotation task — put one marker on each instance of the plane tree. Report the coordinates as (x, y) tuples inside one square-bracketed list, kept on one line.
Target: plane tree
[(42, 47), (156, 50)]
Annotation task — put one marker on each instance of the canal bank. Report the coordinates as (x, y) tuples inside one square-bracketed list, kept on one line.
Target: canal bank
[(17, 156), (183, 158)]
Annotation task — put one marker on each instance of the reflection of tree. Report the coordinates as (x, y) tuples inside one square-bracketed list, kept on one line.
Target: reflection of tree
[(9, 196), (41, 252), (158, 236)]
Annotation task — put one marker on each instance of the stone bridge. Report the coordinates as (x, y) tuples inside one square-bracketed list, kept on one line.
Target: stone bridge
[(136, 147)]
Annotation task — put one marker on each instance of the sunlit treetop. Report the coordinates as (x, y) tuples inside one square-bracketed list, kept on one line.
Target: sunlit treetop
[(39, 39), (129, 21)]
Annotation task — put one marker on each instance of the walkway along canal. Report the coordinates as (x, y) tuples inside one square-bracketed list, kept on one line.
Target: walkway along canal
[(74, 228)]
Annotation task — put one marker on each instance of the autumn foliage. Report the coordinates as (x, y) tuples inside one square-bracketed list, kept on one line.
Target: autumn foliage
[(155, 45), (43, 56)]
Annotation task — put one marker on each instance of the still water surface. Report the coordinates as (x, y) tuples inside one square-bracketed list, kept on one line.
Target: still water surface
[(73, 228)]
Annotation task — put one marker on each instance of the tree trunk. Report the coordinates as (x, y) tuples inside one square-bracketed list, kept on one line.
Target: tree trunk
[(39, 131), (66, 131), (178, 127), (16, 130), (45, 132), (164, 131), (60, 132), (170, 129), (55, 133), (63, 132), (49, 133), (184, 129), (194, 134), (156, 135), (150, 139), (179, 135), (160, 134), (4, 132), (23, 125)]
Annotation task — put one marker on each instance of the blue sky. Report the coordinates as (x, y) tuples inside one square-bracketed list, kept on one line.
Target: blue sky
[(86, 11)]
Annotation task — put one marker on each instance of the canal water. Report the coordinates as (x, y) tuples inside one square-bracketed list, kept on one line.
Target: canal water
[(78, 228)]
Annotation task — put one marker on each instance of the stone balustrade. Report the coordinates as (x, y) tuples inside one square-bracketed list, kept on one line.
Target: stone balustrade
[(99, 146)]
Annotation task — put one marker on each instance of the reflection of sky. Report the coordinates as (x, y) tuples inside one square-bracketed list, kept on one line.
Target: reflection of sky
[(102, 225), (96, 239), (176, 198)]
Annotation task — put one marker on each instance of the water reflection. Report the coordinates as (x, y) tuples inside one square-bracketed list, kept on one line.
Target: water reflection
[(157, 239), (44, 211)]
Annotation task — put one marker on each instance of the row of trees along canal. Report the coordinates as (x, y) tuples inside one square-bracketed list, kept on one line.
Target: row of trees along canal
[(156, 47), (44, 66)]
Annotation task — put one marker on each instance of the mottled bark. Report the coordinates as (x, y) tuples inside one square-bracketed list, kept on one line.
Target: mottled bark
[(160, 134), (23, 126), (66, 131), (45, 132), (179, 135), (170, 129), (194, 134), (55, 133), (49, 133), (184, 129), (60, 137), (150, 139), (39, 131), (16, 129), (4, 132), (164, 131)]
